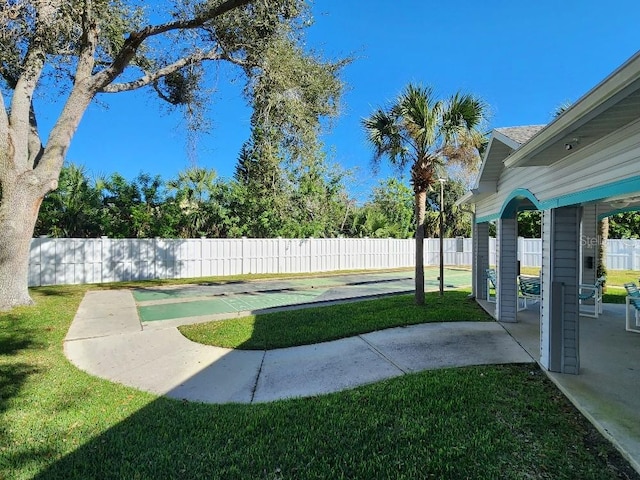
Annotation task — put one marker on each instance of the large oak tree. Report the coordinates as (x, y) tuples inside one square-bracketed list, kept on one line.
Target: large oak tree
[(80, 49)]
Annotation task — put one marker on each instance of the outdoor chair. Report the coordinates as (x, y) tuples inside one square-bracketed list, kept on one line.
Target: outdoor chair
[(586, 293), (633, 301), (528, 289), (491, 285)]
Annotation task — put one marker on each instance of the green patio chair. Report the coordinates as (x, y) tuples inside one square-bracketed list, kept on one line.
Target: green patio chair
[(528, 289), (633, 301), (588, 292)]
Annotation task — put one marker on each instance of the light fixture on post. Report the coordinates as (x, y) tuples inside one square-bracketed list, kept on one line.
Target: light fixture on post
[(441, 278)]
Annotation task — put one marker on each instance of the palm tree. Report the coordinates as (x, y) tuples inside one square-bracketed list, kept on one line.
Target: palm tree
[(427, 135), (194, 188)]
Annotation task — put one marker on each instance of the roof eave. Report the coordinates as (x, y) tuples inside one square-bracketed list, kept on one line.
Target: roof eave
[(621, 78)]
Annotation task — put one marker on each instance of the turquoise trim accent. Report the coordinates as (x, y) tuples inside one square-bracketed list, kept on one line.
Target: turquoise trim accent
[(627, 186), (511, 205), (602, 216), (488, 218)]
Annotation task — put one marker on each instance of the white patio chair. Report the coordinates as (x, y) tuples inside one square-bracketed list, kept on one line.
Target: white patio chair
[(528, 289), (491, 285), (586, 293), (633, 301)]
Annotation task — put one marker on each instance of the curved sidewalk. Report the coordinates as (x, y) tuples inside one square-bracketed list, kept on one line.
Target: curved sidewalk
[(107, 339)]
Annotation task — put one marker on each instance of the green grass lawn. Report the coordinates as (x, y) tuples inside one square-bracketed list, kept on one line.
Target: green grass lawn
[(321, 324), (481, 422)]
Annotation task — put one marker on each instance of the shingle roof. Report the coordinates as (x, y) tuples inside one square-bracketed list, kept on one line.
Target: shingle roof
[(522, 134)]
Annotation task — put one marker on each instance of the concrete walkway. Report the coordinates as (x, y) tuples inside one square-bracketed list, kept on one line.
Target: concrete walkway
[(108, 340)]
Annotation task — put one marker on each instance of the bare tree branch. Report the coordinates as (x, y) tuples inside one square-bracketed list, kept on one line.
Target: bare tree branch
[(153, 77), (135, 39)]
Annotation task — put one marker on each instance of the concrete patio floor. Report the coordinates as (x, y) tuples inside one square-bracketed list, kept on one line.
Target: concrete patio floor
[(607, 390)]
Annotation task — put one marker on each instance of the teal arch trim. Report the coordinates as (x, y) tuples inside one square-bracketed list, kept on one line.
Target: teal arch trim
[(628, 186), (488, 218), (512, 205)]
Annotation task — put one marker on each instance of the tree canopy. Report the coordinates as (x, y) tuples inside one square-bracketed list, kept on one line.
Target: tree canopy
[(80, 49)]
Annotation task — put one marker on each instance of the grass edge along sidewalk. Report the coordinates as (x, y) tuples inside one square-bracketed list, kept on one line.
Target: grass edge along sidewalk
[(477, 422)]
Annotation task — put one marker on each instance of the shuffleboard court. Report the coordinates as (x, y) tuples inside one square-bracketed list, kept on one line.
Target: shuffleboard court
[(215, 299)]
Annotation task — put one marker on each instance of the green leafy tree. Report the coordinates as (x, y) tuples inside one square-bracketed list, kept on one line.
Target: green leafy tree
[(119, 200), (73, 209), (530, 224), (150, 217), (195, 191), (456, 222), (426, 134), (318, 199), (266, 193), (603, 226), (624, 225), (82, 49), (369, 221), (395, 200)]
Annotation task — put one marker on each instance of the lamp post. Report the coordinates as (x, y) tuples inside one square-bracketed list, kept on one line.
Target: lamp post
[(441, 180)]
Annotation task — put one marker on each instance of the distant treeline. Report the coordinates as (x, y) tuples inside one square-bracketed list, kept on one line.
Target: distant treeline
[(308, 203), (303, 203)]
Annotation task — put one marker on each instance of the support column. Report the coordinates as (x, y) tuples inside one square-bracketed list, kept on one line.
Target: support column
[(480, 259), (507, 270), (559, 326), (589, 244)]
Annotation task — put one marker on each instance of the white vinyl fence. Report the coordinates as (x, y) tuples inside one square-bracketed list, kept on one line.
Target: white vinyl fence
[(56, 261), (59, 261), (623, 254)]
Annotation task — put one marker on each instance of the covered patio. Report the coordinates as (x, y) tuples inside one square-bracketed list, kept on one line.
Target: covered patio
[(579, 169), (582, 167)]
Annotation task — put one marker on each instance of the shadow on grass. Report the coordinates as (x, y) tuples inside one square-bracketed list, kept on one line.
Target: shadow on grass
[(57, 290), (455, 424), (14, 371), (461, 423), (14, 340)]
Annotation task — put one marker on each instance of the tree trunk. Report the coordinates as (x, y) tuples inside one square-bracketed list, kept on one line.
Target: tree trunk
[(602, 249), (421, 199), (18, 214)]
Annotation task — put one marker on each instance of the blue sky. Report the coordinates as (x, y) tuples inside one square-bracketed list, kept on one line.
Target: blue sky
[(523, 58)]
